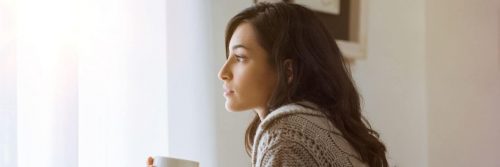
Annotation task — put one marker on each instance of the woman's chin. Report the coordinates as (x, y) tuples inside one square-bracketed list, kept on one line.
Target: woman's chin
[(233, 108)]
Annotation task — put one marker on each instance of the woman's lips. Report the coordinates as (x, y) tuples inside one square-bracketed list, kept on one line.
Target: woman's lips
[(228, 92)]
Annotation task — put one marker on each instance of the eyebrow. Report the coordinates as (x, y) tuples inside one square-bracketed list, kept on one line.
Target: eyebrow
[(239, 46)]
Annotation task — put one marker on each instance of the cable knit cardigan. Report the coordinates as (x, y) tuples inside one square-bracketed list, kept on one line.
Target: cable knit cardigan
[(300, 135)]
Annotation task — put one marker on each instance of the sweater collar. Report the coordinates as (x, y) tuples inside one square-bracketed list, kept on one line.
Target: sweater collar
[(302, 107)]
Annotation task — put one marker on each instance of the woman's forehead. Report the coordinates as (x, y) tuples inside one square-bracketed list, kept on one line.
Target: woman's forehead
[(244, 35)]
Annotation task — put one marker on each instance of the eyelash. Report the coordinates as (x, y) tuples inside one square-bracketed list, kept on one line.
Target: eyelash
[(239, 58)]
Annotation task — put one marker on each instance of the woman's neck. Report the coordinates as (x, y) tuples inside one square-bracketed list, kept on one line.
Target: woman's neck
[(262, 112)]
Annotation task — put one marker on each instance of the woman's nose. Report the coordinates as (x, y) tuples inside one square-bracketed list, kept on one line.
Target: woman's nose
[(224, 74)]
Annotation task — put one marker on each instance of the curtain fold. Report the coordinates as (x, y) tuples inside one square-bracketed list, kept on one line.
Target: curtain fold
[(85, 83)]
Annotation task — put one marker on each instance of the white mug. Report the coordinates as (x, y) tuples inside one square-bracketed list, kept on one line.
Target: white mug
[(160, 161)]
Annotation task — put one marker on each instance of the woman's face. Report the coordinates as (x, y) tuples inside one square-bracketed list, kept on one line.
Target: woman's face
[(248, 77)]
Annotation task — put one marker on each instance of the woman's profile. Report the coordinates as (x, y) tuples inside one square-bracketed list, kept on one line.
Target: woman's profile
[(282, 64)]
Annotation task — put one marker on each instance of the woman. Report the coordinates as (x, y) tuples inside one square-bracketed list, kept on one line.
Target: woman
[(282, 64)]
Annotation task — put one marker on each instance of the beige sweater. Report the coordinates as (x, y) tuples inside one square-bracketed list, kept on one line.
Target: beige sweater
[(294, 135)]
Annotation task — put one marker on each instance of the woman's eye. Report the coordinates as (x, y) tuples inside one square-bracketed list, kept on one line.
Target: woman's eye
[(239, 58)]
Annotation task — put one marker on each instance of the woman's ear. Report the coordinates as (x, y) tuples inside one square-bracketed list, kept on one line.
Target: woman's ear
[(289, 70)]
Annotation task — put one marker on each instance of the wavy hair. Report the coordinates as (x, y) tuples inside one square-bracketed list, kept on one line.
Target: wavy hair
[(320, 74)]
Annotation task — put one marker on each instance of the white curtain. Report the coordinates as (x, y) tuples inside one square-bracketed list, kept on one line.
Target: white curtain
[(82, 82), (8, 86), (192, 80)]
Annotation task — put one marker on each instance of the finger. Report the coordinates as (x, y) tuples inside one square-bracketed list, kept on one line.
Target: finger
[(150, 161)]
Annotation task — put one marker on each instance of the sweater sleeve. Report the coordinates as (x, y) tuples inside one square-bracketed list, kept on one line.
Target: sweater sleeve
[(286, 153)]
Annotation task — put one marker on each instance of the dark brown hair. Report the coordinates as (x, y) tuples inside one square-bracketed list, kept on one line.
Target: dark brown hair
[(320, 74)]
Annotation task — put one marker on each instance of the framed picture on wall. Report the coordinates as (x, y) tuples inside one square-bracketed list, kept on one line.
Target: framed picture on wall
[(345, 20)]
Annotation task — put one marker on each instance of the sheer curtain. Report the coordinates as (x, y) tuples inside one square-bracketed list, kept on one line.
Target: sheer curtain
[(82, 82), (8, 85)]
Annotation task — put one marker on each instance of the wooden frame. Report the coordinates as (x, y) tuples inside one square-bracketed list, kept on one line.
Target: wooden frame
[(354, 45)]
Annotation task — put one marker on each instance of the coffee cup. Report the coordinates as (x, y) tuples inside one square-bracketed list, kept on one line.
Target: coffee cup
[(161, 161)]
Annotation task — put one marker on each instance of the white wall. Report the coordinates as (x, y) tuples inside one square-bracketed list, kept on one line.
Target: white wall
[(392, 79), (463, 80)]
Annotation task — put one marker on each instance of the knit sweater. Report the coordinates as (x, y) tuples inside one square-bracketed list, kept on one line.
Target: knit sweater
[(295, 135)]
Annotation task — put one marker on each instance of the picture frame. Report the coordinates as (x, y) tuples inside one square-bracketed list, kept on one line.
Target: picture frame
[(345, 19)]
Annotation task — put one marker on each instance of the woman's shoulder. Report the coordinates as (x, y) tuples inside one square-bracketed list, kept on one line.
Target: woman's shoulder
[(303, 128), (296, 116)]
